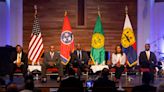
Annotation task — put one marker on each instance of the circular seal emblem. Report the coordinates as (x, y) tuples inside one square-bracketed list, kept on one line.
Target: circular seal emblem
[(127, 38), (97, 40), (66, 37)]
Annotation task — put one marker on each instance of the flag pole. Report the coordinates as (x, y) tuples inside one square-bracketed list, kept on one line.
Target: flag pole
[(65, 13), (36, 11), (126, 9), (98, 9)]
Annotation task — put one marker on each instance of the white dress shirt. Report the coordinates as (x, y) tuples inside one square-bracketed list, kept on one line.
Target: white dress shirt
[(79, 54), (118, 57), (52, 55), (18, 55), (148, 54)]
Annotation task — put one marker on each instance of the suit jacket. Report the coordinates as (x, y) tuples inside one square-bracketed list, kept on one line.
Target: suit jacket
[(56, 57), (71, 84), (144, 62), (24, 58), (85, 57)]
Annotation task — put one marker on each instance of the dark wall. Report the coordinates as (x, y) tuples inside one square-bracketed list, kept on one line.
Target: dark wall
[(5, 61)]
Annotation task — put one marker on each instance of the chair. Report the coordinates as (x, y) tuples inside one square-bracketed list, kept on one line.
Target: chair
[(142, 70), (147, 70), (18, 72), (52, 71), (113, 70), (75, 69)]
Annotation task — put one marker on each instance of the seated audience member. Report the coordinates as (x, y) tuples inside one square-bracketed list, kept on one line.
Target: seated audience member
[(103, 84), (118, 62), (79, 59), (147, 59), (29, 86), (161, 87), (51, 60), (71, 84), (145, 87), (18, 60), (11, 87), (2, 81)]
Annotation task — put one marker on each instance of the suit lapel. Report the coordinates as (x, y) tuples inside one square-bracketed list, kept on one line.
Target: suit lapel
[(22, 56), (76, 53), (150, 55), (82, 54)]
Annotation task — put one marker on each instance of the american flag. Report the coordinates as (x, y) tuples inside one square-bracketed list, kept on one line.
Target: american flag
[(35, 49)]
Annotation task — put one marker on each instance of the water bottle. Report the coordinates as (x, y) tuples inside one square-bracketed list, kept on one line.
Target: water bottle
[(37, 77)]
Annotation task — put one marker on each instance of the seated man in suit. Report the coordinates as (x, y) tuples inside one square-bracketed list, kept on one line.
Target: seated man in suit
[(79, 59), (18, 60), (52, 59), (147, 59)]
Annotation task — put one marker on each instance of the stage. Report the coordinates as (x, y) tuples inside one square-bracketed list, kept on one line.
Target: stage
[(128, 82)]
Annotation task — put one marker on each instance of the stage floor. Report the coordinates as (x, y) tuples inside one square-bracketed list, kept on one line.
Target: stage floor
[(129, 81)]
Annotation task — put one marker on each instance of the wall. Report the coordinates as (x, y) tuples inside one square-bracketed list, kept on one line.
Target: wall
[(158, 30), (11, 24), (150, 26), (3, 23), (51, 14)]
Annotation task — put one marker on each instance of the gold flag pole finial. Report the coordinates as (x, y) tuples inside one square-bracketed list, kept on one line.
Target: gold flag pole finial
[(126, 9), (65, 14), (35, 7)]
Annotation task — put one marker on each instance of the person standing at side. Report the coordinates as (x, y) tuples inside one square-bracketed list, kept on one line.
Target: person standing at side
[(147, 59)]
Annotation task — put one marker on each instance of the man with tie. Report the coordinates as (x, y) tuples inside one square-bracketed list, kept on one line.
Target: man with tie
[(18, 60), (79, 59), (52, 59), (147, 59)]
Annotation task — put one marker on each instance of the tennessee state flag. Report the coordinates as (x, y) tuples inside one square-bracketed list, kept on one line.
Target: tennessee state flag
[(128, 42), (67, 41)]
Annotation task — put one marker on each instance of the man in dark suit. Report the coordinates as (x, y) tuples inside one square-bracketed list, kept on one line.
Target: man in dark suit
[(18, 60), (79, 59), (147, 59), (52, 59)]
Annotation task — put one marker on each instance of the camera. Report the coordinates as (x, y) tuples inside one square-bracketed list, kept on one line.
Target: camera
[(89, 84)]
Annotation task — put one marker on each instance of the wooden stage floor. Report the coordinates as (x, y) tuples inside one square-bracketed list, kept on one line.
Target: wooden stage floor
[(53, 84)]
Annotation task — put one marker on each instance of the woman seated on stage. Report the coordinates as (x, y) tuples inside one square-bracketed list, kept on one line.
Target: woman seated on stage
[(118, 62)]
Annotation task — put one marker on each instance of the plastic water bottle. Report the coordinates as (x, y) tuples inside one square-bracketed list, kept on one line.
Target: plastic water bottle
[(37, 77)]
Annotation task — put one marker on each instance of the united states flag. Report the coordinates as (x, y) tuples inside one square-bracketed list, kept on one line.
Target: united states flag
[(35, 49)]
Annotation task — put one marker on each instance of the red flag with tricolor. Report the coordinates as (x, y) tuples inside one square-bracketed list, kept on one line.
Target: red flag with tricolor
[(67, 41)]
